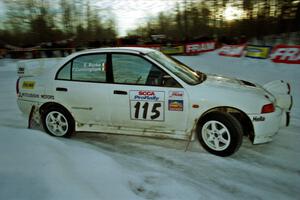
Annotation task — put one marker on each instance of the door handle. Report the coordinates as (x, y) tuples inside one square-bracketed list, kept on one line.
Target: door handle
[(61, 89), (120, 92)]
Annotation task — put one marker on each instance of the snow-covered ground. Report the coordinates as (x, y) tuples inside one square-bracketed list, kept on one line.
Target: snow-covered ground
[(34, 165)]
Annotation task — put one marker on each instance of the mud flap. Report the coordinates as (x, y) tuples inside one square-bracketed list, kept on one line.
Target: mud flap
[(191, 136), (34, 119), (288, 118)]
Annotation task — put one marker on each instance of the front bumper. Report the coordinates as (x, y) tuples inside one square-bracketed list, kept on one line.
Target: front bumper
[(267, 125)]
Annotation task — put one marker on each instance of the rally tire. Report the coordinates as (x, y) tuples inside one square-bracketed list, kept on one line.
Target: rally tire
[(58, 122), (220, 133)]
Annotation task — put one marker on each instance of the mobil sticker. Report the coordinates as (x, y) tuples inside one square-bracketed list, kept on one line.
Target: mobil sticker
[(289, 54), (147, 95)]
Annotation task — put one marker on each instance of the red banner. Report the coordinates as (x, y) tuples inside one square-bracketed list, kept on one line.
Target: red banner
[(289, 54), (199, 47), (232, 50)]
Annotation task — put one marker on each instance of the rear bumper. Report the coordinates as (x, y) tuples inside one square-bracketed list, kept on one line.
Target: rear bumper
[(26, 105), (267, 125)]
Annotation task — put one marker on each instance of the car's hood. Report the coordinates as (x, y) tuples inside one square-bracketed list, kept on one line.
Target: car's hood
[(245, 86), (227, 81)]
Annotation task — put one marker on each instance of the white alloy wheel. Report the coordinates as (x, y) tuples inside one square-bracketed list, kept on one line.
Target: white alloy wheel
[(220, 133), (216, 135), (57, 123)]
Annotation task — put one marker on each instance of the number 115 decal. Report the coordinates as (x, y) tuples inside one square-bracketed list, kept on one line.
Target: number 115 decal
[(147, 105)]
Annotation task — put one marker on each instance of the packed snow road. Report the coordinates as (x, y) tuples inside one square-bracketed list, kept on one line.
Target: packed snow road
[(34, 165)]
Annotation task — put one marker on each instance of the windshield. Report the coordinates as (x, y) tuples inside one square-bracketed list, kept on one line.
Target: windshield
[(185, 73)]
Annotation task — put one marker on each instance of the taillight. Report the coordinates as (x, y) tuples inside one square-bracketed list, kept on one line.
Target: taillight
[(289, 88), (17, 86), (268, 108)]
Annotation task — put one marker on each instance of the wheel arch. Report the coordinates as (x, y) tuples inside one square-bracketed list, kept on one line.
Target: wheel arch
[(241, 116), (48, 105)]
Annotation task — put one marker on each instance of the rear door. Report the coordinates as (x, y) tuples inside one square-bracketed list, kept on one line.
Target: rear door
[(81, 86)]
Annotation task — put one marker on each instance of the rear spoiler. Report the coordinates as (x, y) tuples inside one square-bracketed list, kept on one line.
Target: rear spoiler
[(35, 67), (282, 92)]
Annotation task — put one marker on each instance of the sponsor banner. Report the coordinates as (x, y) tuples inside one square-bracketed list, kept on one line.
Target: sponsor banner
[(199, 47), (147, 95), (232, 50), (28, 85), (289, 54), (175, 105), (173, 50), (253, 51)]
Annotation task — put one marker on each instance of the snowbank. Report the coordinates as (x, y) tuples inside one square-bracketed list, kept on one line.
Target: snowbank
[(36, 166)]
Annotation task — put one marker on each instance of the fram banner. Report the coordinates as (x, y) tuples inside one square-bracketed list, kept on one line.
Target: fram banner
[(289, 54), (199, 47), (172, 50), (253, 51), (232, 50)]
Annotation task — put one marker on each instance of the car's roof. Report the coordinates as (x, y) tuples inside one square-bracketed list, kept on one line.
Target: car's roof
[(135, 50), (118, 49)]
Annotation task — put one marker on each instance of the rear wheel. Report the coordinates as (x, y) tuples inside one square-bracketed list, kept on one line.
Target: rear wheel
[(220, 133), (58, 122)]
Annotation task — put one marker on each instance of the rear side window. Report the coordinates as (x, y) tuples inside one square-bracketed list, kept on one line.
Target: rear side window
[(87, 68), (65, 72)]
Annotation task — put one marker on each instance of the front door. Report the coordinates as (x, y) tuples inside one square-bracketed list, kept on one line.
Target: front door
[(144, 97)]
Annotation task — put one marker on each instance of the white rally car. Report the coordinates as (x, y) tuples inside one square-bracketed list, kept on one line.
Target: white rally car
[(139, 91)]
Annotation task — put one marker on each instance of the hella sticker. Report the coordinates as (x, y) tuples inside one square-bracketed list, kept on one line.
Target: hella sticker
[(259, 118)]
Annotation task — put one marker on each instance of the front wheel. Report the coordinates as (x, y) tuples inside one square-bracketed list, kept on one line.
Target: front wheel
[(58, 122), (220, 133)]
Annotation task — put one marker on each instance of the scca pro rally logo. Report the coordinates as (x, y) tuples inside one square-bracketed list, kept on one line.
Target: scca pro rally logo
[(286, 54), (146, 95)]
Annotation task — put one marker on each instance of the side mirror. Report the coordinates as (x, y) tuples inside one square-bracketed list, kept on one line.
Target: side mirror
[(166, 77), (168, 81)]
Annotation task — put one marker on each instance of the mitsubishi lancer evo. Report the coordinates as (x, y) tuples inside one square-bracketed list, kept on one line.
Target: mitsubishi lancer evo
[(141, 91)]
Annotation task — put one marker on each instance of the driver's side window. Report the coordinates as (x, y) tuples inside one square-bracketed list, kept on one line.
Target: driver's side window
[(131, 69)]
